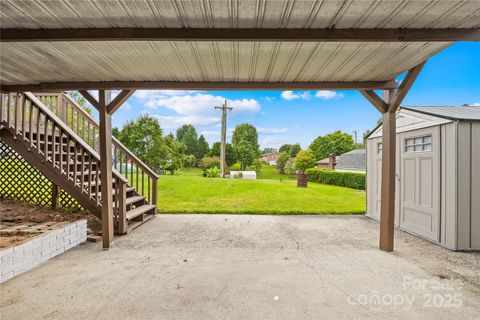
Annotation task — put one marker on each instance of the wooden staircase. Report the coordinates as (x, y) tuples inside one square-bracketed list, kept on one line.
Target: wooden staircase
[(59, 138)]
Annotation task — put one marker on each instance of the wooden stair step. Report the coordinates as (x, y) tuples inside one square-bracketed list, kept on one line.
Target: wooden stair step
[(131, 214), (134, 199)]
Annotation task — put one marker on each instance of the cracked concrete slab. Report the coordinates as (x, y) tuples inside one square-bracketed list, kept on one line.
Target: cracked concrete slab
[(250, 267)]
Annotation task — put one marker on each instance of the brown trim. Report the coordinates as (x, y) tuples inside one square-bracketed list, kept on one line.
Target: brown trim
[(200, 85), (243, 34), (89, 98), (374, 99), (119, 100), (407, 82)]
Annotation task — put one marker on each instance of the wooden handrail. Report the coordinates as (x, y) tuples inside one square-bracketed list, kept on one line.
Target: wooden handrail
[(61, 125), (115, 141)]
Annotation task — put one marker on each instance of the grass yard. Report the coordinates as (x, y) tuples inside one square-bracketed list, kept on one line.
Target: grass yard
[(191, 193)]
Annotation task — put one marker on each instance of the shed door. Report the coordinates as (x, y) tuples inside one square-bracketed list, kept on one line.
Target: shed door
[(420, 182)]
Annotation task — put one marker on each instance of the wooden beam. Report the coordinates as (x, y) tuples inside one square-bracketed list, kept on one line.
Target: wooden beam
[(387, 203), (106, 167), (374, 99), (88, 97), (405, 86), (199, 85), (119, 100), (243, 34)]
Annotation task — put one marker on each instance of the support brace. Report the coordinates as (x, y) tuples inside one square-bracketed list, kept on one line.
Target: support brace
[(388, 107)]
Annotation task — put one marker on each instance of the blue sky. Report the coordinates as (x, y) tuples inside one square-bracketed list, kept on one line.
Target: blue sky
[(452, 77)]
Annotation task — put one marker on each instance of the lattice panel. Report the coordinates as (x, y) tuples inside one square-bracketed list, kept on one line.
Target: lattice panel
[(22, 182)]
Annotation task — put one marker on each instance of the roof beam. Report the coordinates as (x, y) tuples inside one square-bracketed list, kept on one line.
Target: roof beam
[(228, 34), (197, 85), (120, 99)]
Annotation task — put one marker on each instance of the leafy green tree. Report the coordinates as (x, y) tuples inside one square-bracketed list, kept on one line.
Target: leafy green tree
[(202, 148), (257, 166), (294, 150), (230, 156), (144, 138), (187, 135), (246, 154), (333, 143), (248, 133), (305, 160), (189, 161), (75, 95), (176, 152), (282, 160), (285, 148), (268, 150), (115, 132)]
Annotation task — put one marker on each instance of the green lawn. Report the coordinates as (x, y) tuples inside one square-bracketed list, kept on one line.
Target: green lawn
[(188, 192)]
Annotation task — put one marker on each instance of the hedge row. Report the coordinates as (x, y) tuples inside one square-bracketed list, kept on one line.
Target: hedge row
[(343, 179)]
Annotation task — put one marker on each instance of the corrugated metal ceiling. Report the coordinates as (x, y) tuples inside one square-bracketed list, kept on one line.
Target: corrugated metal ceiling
[(27, 63), (240, 13)]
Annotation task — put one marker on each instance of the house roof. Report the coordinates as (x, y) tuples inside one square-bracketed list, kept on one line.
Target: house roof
[(452, 113), (352, 160), (280, 43)]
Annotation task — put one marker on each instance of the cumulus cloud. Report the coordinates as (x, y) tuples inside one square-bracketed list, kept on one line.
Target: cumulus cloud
[(157, 94), (327, 94), (476, 104), (290, 95), (196, 108)]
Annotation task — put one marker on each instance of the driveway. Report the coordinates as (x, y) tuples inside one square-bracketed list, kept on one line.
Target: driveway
[(250, 267)]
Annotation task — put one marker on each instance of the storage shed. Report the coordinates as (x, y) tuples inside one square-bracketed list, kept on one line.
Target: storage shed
[(438, 174)]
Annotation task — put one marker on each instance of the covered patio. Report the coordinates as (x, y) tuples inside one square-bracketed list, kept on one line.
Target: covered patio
[(268, 45), (250, 267)]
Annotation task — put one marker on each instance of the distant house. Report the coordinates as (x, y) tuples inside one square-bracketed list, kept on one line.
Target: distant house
[(270, 158), (327, 163), (352, 161)]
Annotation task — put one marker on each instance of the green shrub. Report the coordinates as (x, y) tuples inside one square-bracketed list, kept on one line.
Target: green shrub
[(209, 162), (344, 179), (257, 166), (236, 167), (213, 172), (304, 160)]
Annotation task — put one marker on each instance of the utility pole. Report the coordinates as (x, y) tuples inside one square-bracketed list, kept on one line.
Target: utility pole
[(355, 133), (223, 138)]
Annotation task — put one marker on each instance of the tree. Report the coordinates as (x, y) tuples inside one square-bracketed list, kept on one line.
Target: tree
[(202, 148), (75, 95), (245, 153), (282, 160), (176, 152), (144, 138), (115, 132), (294, 150), (285, 148), (304, 160), (230, 156), (333, 143), (248, 133), (365, 135), (268, 150), (187, 135)]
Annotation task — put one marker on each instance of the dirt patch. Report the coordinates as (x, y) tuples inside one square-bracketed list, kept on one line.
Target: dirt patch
[(12, 239), (11, 211)]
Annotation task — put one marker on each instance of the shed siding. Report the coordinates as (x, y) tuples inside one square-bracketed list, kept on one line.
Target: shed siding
[(464, 183), (448, 186), (475, 191)]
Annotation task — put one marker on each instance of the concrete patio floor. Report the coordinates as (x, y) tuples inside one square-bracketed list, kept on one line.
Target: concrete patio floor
[(250, 267)]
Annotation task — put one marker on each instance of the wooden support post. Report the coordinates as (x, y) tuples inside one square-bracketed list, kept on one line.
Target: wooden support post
[(106, 167), (388, 107), (55, 194), (387, 205)]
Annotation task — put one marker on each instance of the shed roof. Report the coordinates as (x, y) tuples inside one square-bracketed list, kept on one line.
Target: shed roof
[(352, 160), (78, 50), (452, 113)]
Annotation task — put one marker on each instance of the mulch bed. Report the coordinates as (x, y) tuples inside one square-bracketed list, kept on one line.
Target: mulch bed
[(15, 214)]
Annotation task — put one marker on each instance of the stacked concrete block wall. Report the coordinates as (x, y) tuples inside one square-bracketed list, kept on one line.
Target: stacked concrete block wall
[(26, 256)]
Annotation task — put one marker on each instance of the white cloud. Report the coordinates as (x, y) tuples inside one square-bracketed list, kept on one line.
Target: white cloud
[(203, 104), (157, 94), (267, 131), (270, 99), (290, 95), (476, 104), (197, 109), (327, 94)]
